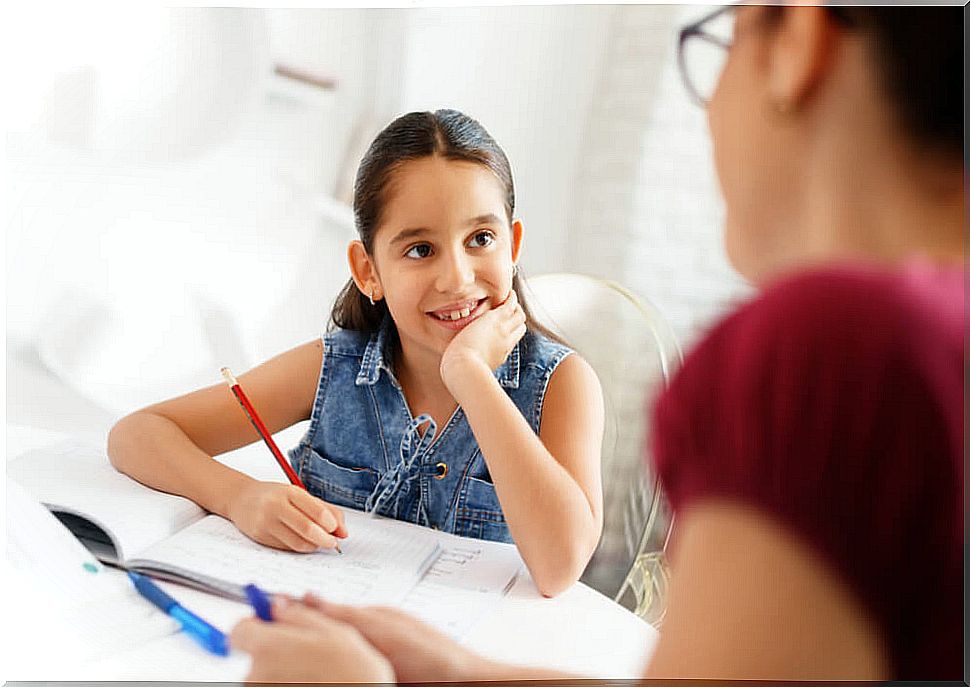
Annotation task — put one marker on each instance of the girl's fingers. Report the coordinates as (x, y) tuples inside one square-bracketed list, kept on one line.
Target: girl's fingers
[(290, 538), (341, 531), (511, 300), (315, 509), (308, 532), (270, 539)]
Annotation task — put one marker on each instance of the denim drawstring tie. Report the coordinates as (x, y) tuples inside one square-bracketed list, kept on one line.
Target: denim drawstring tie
[(397, 481)]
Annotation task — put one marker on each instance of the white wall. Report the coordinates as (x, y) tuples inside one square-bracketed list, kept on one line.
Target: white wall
[(133, 202), (526, 73), (646, 206)]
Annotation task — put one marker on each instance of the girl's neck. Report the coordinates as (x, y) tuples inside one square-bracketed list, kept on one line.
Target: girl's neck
[(418, 374)]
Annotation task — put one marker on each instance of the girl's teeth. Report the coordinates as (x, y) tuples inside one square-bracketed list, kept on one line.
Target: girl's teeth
[(456, 315)]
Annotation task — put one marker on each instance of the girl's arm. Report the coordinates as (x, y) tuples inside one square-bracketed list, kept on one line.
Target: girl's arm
[(549, 485), (169, 446)]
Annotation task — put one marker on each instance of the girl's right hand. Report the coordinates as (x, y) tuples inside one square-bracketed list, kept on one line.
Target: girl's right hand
[(286, 517)]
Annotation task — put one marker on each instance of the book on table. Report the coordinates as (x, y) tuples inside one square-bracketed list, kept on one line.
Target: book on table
[(384, 561)]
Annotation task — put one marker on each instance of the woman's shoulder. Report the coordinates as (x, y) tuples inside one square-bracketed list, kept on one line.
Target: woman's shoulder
[(917, 291), (842, 312), (834, 402)]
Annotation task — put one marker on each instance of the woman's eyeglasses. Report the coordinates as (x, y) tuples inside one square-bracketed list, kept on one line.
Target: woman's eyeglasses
[(702, 52), (704, 44)]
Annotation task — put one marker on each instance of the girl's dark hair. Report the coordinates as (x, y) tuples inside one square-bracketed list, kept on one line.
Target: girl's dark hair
[(918, 57), (453, 136)]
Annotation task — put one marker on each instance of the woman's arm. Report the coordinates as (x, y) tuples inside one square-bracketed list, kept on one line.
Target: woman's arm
[(316, 641), (749, 600), (549, 485), (169, 446)]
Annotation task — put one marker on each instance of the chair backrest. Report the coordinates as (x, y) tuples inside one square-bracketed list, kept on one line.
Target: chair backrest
[(634, 352)]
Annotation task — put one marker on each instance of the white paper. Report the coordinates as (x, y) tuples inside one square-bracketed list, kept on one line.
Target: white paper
[(381, 561), (65, 597), (465, 582), (78, 478)]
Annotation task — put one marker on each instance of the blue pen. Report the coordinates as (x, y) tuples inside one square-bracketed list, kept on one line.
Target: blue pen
[(205, 634), (259, 600)]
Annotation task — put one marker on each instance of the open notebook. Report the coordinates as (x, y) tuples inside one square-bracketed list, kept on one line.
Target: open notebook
[(446, 579)]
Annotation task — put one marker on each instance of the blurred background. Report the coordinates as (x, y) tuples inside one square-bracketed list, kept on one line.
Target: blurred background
[(176, 180)]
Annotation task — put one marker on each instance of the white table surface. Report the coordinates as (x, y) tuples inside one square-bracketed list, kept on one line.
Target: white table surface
[(580, 631)]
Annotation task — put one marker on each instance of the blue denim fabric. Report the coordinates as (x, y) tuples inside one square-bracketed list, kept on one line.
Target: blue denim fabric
[(363, 449)]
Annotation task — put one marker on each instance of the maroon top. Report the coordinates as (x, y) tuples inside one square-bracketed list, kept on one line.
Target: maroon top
[(834, 402)]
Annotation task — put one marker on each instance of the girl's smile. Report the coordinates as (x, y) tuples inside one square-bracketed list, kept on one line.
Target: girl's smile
[(444, 252), (457, 316)]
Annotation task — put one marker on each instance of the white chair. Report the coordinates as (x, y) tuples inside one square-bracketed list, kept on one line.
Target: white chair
[(633, 351)]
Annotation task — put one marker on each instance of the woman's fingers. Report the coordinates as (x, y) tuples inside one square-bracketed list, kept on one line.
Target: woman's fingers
[(353, 615), (305, 646), (298, 614), (246, 634)]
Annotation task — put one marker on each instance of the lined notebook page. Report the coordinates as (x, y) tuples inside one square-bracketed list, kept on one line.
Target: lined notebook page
[(464, 584), (382, 560)]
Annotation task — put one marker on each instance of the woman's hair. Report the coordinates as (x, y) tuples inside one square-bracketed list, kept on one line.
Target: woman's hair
[(447, 133), (918, 58)]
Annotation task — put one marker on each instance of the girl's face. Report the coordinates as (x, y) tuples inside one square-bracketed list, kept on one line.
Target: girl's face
[(444, 252)]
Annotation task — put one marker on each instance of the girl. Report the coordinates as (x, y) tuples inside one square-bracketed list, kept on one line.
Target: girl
[(812, 443), (435, 398)]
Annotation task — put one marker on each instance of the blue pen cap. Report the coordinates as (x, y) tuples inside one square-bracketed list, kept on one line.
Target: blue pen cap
[(260, 602)]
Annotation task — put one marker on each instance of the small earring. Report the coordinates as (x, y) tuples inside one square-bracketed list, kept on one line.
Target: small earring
[(370, 297)]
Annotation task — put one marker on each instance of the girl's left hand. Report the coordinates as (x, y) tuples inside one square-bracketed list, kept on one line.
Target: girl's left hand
[(485, 342), (304, 645)]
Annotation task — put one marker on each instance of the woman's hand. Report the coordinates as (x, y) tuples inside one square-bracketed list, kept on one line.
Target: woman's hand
[(286, 517), (304, 645), (485, 343), (416, 651)]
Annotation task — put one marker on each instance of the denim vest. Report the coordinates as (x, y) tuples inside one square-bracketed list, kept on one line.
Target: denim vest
[(363, 449)]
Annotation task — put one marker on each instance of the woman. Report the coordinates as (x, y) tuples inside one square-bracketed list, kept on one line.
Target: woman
[(812, 443)]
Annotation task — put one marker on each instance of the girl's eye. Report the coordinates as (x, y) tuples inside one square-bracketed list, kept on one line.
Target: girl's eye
[(422, 250), (482, 239)]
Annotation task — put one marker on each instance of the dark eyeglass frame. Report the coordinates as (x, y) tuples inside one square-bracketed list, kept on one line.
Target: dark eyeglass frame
[(843, 15), (696, 30)]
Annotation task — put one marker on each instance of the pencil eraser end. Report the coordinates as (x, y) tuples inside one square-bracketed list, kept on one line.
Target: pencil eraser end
[(228, 376)]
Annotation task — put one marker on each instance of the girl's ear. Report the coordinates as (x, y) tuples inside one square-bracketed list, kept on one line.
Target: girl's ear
[(516, 240), (363, 271)]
